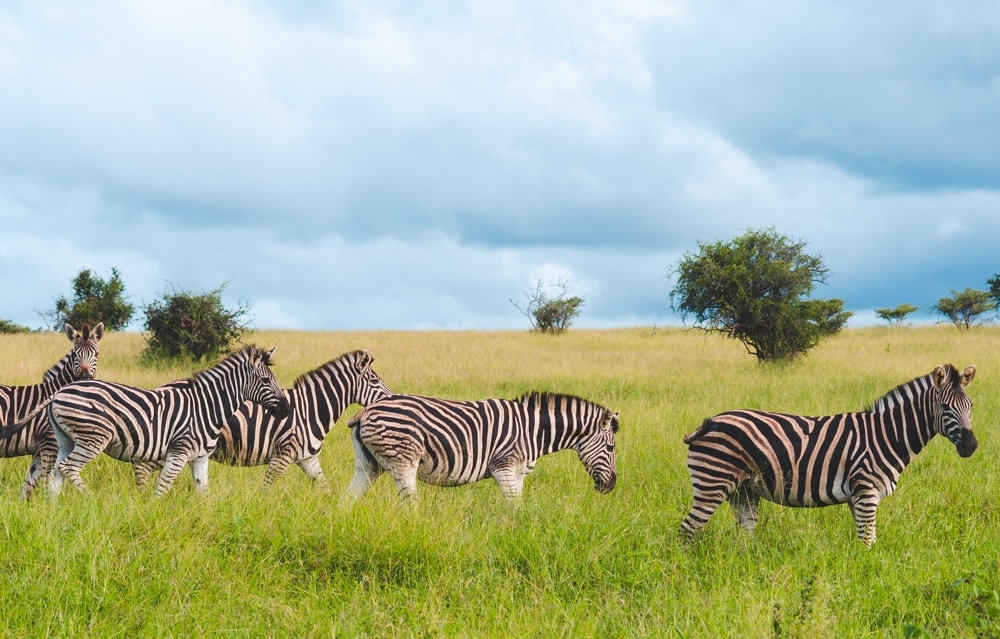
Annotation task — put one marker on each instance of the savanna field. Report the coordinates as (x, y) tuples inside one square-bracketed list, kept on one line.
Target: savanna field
[(565, 561)]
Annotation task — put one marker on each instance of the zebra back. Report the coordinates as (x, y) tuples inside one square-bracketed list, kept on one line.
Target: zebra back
[(317, 398)]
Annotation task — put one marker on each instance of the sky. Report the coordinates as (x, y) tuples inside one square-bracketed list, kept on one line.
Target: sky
[(387, 164)]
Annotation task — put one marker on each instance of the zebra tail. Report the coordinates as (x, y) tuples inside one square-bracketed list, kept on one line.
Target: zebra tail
[(354, 421), (704, 428), (11, 429)]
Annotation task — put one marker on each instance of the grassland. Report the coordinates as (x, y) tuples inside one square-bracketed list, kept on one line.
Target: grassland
[(566, 561)]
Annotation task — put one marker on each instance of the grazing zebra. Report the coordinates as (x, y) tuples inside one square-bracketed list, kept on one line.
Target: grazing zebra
[(253, 436), (852, 458), (449, 443), (175, 424), (18, 402)]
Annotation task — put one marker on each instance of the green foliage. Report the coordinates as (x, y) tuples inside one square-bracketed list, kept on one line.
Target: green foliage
[(994, 284), (549, 314), (964, 309), (752, 288), (7, 326), (895, 316), (185, 325), (981, 607), (95, 300)]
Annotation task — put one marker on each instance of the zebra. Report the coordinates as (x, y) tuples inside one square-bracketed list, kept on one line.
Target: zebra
[(253, 437), (18, 402), (175, 424), (742, 456), (449, 443)]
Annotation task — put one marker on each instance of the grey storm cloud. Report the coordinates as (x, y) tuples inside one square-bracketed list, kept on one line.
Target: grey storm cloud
[(406, 165)]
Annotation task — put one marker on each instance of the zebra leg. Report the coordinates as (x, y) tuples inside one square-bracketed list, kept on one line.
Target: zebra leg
[(310, 466), (366, 468), (510, 479), (277, 466), (199, 473), (744, 505), (172, 466), (863, 505), (405, 476), (42, 464), (143, 471)]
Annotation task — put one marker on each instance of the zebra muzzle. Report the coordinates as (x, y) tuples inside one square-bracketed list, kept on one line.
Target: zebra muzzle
[(606, 487), (967, 444)]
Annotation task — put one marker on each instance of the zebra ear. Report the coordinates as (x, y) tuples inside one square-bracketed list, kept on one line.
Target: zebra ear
[(98, 331), (970, 372), (267, 355), (365, 360), (71, 332), (939, 376)]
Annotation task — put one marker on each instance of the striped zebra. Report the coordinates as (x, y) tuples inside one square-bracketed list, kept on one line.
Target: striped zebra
[(253, 436), (175, 424), (854, 458), (18, 402), (449, 443)]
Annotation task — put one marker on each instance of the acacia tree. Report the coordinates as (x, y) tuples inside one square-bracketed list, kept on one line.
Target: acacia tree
[(964, 309), (753, 289), (95, 300), (549, 314), (895, 316)]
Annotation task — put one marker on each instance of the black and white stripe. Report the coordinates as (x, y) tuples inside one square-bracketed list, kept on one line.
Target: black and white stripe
[(852, 458), (176, 424), (448, 443), (253, 436), (17, 403)]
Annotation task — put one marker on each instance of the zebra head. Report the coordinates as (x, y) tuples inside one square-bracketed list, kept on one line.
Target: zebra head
[(262, 387), (596, 451), (83, 356), (953, 406), (368, 386)]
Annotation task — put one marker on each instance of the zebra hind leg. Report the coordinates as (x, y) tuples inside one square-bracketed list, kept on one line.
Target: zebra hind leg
[(143, 471), (311, 467), (744, 505), (42, 464), (172, 466), (366, 468), (80, 453)]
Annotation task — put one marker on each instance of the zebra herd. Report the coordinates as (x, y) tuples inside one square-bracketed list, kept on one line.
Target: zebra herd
[(236, 413)]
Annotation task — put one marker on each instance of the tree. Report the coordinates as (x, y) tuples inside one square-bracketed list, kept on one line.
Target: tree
[(964, 309), (7, 326), (895, 316), (94, 301), (549, 314), (994, 284), (753, 289), (185, 325)]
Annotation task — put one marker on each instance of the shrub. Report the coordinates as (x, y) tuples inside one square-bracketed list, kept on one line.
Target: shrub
[(549, 314), (184, 325), (94, 301), (7, 326)]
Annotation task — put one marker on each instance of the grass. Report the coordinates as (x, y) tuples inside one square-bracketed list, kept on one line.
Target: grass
[(566, 561)]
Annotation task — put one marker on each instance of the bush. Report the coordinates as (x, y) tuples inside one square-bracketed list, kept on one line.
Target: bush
[(185, 325), (549, 314), (7, 326), (94, 301)]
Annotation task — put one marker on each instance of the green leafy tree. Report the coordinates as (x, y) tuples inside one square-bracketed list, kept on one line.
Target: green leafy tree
[(965, 309), (895, 316), (193, 326), (994, 284), (753, 289), (95, 300), (7, 326), (548, 313)]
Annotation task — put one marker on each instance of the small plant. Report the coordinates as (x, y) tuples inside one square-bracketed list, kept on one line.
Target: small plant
[(95, 300), (7, 326), (895, 316), (981, 608), (549, 314), (184, 325)]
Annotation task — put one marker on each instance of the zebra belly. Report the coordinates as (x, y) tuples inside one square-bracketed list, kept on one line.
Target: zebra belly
[(802, 491), (428, 473)]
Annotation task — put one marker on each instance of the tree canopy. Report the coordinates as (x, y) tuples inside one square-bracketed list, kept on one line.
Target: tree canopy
[(964, 309), (754, 288), (95, 300)]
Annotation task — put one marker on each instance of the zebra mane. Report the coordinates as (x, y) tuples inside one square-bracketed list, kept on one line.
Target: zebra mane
[(56, 370), (907, 391), (351, 356), (551, 399), (244, 353)]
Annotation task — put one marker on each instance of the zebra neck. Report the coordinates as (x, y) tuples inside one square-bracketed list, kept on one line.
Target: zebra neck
[(328, 403), (552, 431), (214, 403), (59, 375), (902, 431)]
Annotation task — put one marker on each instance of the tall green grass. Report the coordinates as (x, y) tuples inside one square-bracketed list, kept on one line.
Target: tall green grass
[(564, 562)]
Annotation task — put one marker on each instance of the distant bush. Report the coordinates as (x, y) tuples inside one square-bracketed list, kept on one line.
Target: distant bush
[(185, 325), (549, 314), (7, 326)]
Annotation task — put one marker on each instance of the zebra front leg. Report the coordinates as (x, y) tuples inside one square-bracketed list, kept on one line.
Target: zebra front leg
[(510, 479), (199, 473), (863, 506), (172, 466), (143, 471), (277, 466), (310, 466)]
